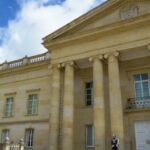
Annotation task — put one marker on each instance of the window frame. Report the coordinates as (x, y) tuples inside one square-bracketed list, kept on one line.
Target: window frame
[(86, 136), (141, 84), (8, 114), (86, 94), (2, 134), (28, 103), (29, 138)]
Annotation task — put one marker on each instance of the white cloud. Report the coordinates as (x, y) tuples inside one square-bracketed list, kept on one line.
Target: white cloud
[(34, 21)]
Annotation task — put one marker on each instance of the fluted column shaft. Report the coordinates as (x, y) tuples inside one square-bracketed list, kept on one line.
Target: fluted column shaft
[(68, 107), (116, 108), (54, 110), (98, 106)]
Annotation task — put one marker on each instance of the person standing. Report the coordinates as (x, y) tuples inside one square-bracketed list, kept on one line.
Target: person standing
[(115, 143)]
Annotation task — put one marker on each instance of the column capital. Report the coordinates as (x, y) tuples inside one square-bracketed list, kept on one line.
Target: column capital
[(70, 63), (115, 54), (55, 66), (100, 57)]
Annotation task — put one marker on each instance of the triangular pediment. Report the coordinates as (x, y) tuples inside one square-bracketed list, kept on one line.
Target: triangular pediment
[(111, 12)]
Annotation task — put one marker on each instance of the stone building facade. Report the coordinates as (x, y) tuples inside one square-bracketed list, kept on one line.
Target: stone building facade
[(92, 83)]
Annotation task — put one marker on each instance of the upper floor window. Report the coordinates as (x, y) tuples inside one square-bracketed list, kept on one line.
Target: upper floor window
[(89, 136), (89, 93), (33, 104), (5, 134), (9, 107), (141, 85), (29, 137)]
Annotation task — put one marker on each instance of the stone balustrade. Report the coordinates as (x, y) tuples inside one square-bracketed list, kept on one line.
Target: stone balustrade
[(7, 145), (136, 103), (25, 61)]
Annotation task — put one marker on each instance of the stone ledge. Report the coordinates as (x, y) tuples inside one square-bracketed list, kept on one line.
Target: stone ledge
[(136, 110)]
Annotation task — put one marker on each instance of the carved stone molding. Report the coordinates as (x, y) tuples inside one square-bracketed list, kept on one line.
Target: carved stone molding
[(54, 66), (33, 90), (71, 63), (129, 11), (116, 54), (100, 57), (10, 94)]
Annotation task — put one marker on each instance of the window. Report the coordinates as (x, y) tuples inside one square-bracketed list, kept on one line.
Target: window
[(141, 85), (9, 107), (5, 133), (89, 93), (32, 104), (89, 136), (29, 137)]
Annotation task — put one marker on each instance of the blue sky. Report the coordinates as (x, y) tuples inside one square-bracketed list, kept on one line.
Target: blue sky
[(8, 10), (23, 23)]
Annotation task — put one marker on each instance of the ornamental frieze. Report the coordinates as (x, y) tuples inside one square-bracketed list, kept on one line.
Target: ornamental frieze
[(129, 11)]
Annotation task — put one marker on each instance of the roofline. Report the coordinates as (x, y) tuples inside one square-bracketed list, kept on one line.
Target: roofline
[(80, 19), (26, 56)]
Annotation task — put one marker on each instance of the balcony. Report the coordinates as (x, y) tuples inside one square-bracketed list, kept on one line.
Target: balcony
[(138, 103)]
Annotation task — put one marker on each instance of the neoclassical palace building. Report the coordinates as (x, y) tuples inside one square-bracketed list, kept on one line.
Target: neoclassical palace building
[(93, 82)]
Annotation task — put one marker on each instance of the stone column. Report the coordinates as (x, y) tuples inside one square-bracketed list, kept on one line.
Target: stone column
[(54, 109), (68, 108), (116, 108), (98, 105)]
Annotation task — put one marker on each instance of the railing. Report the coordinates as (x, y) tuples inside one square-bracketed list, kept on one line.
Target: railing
[(25, 61), (15, 64), (135, 103), (10, 146), (14, 147), (36, 59)]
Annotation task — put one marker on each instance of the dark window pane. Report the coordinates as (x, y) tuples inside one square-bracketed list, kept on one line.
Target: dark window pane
[(88, 102), (145, 89), (88, 84), (89, 91), (89, 97), (144, 76), (137, 77)]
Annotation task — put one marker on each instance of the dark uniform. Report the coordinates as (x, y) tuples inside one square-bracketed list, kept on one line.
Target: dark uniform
[(115, 143)]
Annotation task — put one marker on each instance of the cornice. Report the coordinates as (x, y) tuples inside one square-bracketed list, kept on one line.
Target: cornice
[(101, 31), (24, 121)]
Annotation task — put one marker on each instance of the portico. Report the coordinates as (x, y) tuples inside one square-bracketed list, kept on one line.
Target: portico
[(96, 63)]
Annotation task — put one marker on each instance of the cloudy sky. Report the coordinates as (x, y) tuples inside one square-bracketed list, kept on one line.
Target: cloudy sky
[(23, 23)]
